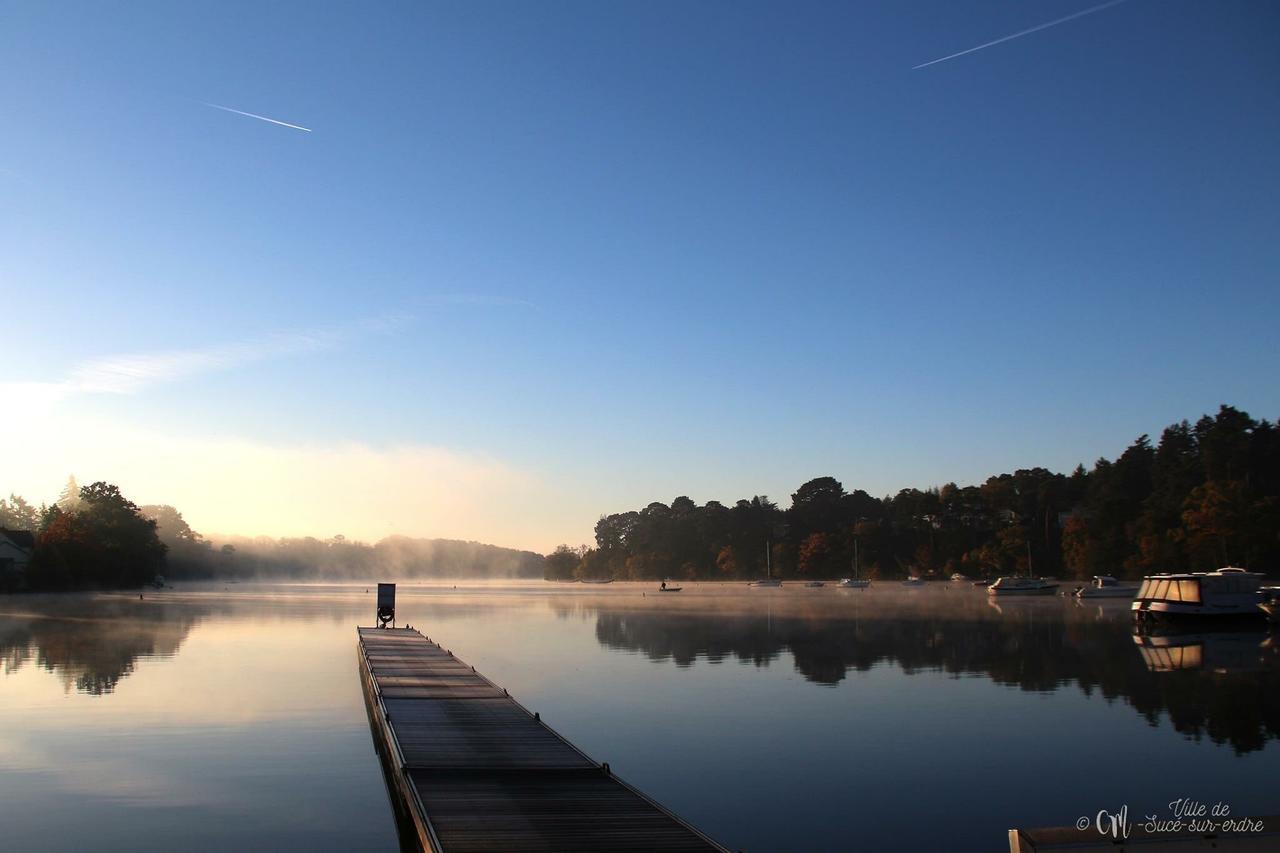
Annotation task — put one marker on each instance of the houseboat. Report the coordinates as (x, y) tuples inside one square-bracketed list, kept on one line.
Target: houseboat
[(1226, 592)]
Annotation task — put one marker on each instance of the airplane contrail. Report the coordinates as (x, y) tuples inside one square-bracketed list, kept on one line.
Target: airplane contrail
[(1034, 29), (255, 115)]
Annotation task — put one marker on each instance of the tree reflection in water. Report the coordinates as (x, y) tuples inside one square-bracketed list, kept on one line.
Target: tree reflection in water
[(1223, 685), (1219, 684), (89, 642)]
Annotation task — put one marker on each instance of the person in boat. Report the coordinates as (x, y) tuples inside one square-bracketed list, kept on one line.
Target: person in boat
[(664, 585)]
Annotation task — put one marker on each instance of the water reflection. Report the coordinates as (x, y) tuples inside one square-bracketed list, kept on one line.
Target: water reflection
[(90, 643), (93, 641), (1242, 650), (197, 721), (1223, 685), (256, 716)]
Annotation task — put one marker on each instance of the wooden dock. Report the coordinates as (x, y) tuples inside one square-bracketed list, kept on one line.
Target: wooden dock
[(469, 769)]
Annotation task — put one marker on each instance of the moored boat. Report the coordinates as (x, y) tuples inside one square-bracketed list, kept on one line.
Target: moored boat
[(815, 584), (854, 582), (1226, 592), (1105, 586), (912, 580), (769, 579), (1018, 585)]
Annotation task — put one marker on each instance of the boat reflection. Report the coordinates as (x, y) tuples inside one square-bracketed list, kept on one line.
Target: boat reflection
[(1245, 650)]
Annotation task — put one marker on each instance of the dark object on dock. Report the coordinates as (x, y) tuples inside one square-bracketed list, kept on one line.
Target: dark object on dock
[(469, 769), (386, 604)]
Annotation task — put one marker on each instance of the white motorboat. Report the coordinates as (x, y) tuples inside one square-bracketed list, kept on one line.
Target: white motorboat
[(956, 576), (1018, 585), (1226, 592), (912, 580), (1105, 586), (854, 582)]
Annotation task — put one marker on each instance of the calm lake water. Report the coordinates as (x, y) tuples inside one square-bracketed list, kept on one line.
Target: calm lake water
[(787, 719)]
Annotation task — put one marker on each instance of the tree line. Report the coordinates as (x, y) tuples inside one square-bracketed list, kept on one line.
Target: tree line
[(1206, 495), (95, 537)]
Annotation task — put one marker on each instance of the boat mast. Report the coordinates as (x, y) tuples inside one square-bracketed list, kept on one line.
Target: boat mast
[(768, 555)]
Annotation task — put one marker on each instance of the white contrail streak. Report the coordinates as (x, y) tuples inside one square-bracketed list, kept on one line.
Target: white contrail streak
[(255, 115), (1035, 29)]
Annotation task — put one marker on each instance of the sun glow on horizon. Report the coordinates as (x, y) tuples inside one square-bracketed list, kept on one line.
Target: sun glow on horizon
[(231, 486)]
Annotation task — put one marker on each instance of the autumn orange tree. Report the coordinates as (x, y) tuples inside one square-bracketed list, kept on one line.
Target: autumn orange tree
[(103, 541)]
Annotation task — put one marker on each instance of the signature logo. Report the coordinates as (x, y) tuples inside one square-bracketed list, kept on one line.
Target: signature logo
[(1185, 815), (1115, 825)]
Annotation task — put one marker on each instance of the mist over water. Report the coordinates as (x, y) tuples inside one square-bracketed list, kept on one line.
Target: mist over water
[(230, 716)]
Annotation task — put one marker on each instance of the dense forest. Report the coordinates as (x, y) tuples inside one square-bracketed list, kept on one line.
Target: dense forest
[(93, 536), (1206, 495)]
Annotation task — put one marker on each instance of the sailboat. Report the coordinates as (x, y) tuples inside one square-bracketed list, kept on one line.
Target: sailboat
[(854, 582), (769, 580), (1018, 585)]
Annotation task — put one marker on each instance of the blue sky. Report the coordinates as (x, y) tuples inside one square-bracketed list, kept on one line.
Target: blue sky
[(578, 257)]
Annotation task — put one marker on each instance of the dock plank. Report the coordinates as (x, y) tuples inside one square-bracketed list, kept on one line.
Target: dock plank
[(474, 771)]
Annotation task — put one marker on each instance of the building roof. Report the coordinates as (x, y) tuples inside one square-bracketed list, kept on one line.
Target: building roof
[(21, 538)]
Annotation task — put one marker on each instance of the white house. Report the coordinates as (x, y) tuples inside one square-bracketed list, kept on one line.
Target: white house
[(15, 552)]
